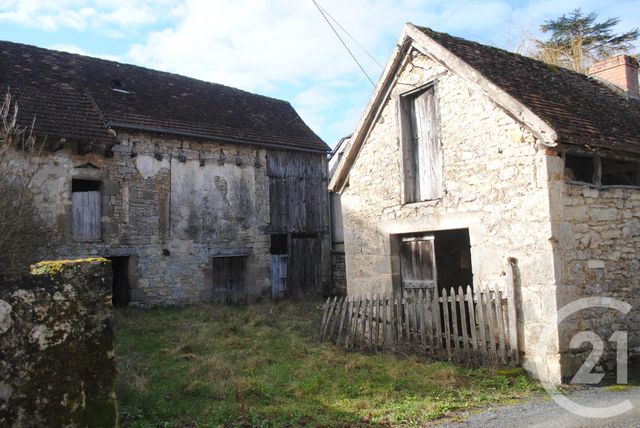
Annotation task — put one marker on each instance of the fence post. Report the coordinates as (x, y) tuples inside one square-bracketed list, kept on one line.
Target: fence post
[(509, 267)]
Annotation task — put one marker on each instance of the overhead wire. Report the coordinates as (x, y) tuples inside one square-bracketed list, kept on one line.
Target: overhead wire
[(343, 42)]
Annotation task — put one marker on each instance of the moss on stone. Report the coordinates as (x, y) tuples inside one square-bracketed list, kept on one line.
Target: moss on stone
[(54, 267)]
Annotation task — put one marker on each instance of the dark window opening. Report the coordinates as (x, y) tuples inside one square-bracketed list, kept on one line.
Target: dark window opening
[(579, 168), (229, 279), (121, 295), (86, 203), (85, 185), (116, 84), (619, 172), (278, 243), (303, 235)]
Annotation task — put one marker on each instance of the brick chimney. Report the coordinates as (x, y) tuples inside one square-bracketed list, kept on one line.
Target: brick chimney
[(621, 71)]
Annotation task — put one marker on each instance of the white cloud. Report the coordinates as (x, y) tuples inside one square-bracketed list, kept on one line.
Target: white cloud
[(64, 47)]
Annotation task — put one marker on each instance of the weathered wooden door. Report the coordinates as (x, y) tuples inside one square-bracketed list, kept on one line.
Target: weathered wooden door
[(304, 265), (418, 263), (278, 276), (228, 279), (86, 215)]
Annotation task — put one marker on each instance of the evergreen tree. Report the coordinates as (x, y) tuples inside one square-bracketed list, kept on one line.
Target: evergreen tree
[(578, 40)]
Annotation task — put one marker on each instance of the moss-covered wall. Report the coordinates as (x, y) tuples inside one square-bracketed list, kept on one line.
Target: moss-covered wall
[(57, 362)]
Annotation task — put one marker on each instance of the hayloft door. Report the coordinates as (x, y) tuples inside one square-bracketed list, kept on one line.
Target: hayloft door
[(418, 263), (278, 276)]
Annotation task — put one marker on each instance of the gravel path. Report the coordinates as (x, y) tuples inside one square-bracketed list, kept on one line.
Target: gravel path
[(546, 413)]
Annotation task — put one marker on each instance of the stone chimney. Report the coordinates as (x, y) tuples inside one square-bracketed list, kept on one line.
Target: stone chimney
[(620, 71)]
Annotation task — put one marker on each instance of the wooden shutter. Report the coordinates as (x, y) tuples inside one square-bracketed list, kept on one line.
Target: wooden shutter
[(86, 215), (425, 147), (418, 263)]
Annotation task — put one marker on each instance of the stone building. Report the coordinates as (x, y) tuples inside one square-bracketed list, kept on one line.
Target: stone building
[(468, 155), (195, 191)]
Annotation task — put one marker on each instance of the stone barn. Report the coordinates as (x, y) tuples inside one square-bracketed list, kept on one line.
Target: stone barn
[(468, 155), (195, 191)]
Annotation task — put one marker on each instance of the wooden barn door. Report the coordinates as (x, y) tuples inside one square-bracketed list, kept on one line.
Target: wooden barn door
[(418, 263), (304, 265), (228, 279)]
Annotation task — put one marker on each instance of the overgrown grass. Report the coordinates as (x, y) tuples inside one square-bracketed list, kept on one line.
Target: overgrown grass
[(261, 365)]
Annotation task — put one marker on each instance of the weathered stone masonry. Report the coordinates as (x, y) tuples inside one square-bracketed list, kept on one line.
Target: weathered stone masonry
[(170, 205), (496, 186)]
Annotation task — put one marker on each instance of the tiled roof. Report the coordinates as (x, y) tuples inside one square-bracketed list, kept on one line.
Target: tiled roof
[(579, 108), (71, 96)]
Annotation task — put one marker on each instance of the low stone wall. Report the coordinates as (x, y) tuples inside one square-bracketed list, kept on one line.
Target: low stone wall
[(57, 362)]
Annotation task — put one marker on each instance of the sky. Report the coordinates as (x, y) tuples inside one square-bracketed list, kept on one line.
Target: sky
[(280, 48)]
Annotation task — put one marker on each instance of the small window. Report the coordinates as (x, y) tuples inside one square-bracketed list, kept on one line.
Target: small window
[(86, 210), (278, 243), (422, 152), (620, 173), (118, 86), (579, 168)]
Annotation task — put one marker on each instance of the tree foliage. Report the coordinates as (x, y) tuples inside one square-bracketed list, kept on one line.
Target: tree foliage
[(578, 40), (22, 232)]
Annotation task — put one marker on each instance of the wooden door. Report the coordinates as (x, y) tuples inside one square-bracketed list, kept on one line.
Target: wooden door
[(120, 288), (418, 263), (304, 265), (228, 279), (278, 276)]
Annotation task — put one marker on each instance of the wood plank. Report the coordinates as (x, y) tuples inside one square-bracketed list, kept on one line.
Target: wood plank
[(491, 319), (501, 329), (481, 323), (324, 317), (472, 318), (345, 307), (428, 316), (463, 320), (437, 320), (336, 318), (385, 319), (421, 320), (378, 320), (332, 306), (454, 325), (446, 319), (398, 319), (406, 308), (349, 326), (372, 339), (510, 264)]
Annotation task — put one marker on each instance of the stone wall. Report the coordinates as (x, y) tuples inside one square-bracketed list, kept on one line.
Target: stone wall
[(338, 275), (598, 240), (171, 205), (57, 362), (496, 186)]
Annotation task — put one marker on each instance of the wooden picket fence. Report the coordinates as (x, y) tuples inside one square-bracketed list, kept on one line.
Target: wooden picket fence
[(462, 325)]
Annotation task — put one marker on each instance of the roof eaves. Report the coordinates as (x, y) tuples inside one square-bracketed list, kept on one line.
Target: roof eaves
[(161, 130)]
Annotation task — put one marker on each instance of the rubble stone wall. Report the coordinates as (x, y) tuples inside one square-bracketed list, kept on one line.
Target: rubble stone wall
[(598, 249), (57, 362), (496, 185), (171, 204)]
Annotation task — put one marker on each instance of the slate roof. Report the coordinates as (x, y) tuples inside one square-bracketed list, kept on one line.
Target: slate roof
[(580, 109), (72, 97)]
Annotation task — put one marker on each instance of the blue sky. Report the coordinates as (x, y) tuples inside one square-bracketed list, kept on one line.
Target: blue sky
[(279, 48)]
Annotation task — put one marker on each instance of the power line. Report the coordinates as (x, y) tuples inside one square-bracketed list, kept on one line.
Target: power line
[(454, 11), (343, 42), (351, 37)]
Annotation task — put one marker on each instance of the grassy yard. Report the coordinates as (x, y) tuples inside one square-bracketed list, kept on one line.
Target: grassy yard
[(260, 365)]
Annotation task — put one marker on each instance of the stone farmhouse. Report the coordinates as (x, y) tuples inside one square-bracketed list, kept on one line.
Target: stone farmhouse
[(468, 155), (195, 191)]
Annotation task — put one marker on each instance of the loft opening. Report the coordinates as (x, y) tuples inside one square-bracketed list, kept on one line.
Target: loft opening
[(86, 203), (121, 289)]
